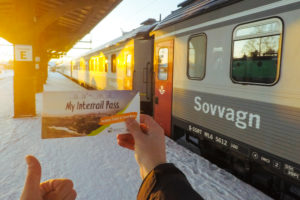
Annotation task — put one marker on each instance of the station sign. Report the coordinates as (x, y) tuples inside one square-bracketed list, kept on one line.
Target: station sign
[(23, 52)]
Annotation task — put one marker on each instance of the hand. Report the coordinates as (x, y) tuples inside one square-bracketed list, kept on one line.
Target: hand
[(54, 189), (148, 142)]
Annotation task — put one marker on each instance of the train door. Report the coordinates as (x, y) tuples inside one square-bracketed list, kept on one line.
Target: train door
[(143, 71), (163, 68)]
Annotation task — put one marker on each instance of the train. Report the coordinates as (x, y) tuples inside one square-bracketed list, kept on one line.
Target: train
[(223, 74), (125, 63)]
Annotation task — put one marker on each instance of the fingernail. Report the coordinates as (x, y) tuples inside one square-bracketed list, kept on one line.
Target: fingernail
[(27, 158)]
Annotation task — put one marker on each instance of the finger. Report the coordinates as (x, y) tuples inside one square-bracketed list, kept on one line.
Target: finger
[(126, 140), (59, 188), (125, 137), (53, 195), (34, 170), (126, 145), (50, 195), (144, 128), (146, 119), (63, 187), (32, 183), (71, 195), (134, 128), (46, 187), (151, 124)]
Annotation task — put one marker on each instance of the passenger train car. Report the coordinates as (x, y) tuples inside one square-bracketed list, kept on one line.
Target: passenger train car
[(125, 63), (231, 71), (226, 76)]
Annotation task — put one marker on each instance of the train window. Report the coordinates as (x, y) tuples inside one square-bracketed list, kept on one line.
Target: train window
[(97, 64), (90, 65), (128, 65), (256, 52), (82, 64), (101, 64), (196, 57), (113, 63), (163, 60), (93, 64), (106, 65)]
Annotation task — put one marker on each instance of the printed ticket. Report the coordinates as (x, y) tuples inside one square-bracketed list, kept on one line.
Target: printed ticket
[(88, 113)]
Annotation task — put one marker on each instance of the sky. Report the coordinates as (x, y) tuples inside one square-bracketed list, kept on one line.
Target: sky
[(129, 14)]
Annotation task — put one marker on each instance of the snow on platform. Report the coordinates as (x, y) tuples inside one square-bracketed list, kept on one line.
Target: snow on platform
[(6, 73), (99, 168)]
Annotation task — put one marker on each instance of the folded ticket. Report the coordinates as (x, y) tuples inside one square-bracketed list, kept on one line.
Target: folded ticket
[(88, 113)]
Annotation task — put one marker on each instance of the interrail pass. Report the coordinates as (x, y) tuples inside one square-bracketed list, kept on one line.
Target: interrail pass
[(88, 113)]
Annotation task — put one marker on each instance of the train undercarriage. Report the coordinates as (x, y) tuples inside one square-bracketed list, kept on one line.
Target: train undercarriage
[(253, 173)]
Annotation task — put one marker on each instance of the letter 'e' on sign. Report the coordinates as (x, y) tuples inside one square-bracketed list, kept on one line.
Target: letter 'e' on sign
[(23, 52)]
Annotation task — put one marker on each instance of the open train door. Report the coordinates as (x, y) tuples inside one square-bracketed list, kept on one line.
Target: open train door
[(163, 68)]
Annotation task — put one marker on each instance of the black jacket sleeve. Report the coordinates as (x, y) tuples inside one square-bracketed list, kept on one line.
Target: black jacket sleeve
[(166, 182)]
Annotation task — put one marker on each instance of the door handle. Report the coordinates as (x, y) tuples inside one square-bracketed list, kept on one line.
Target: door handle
[(145, 79), (156, 100)]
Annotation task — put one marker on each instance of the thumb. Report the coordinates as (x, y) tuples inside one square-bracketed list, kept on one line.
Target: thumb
[(134, 128), (32, 183)]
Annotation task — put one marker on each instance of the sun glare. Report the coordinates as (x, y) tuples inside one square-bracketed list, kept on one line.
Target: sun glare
[(6, 51)]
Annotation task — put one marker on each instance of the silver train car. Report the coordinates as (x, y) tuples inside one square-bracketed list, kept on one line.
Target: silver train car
[(227, 77)]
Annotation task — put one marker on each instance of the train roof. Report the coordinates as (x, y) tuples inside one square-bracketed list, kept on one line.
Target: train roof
[(191, 8), (142, 31)]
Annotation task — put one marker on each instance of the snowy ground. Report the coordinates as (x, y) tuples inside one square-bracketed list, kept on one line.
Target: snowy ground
[(6, 73), (99, 168)]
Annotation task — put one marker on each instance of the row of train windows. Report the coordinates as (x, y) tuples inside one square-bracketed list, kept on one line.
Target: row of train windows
[(255, 57), (99, 64)]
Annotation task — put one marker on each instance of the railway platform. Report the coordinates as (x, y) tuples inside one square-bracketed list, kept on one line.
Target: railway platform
[(97, 165)]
